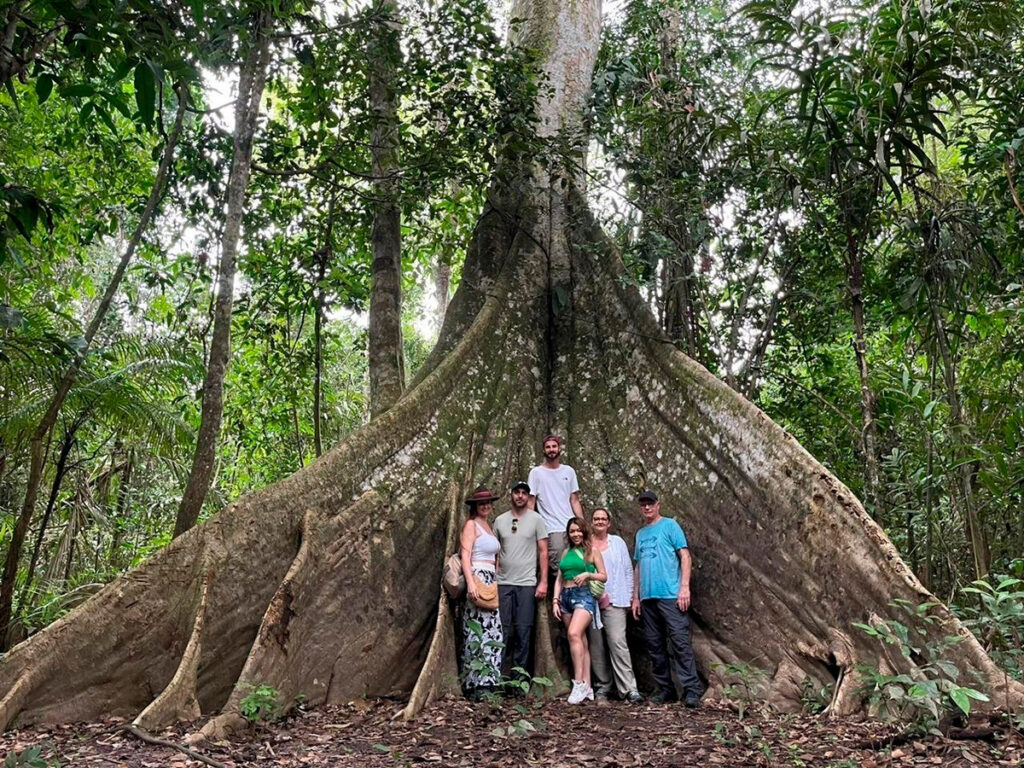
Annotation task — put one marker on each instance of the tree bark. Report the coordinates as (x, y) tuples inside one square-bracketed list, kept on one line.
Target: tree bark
[(51, 502), (37, 453), (327, 583), (964, 473), (869, 433), (251, 80), (387, 367)]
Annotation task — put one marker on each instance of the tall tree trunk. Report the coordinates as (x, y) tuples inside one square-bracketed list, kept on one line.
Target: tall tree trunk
[(251, 80), (964, 467), (121, 510), (51, 503), (869, 433), (318, 367), (387, 368), (37, 441), (442, 289)]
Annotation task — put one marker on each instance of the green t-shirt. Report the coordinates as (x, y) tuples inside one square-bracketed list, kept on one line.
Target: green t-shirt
[(573, 564)]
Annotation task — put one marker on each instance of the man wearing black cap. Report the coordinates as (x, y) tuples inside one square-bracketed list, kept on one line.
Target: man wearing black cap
[(524, 546), (661, 595)]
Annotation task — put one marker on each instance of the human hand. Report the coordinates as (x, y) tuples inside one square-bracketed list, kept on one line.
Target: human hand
[(580, 580), (541, 592), (556, 609), (635, 607), (683, 601)]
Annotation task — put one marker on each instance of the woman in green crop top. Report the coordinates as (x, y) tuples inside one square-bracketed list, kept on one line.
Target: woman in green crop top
[(574, 603)]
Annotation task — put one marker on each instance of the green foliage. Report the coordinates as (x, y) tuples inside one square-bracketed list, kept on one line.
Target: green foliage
[(261, 705), (933, 689), (815, 698), (30, 757), (996, 616), (744, 684)]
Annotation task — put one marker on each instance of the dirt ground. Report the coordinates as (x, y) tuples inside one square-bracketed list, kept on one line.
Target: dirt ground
[(550, 733)]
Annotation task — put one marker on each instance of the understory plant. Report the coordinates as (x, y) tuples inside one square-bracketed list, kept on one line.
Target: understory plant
[(933, 690), (261, 705), (743, 684), (994, 612)]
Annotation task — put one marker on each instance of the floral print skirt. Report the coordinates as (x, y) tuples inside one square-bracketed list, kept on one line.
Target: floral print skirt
[(482, 642)]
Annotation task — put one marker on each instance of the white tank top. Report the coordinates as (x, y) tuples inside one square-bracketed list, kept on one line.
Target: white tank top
[(485, 545)]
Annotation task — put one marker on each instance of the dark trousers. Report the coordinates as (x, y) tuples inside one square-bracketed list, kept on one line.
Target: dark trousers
[(517, 607), (667, 629)]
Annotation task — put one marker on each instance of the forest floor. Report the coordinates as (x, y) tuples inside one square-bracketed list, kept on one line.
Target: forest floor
[(551, 734)]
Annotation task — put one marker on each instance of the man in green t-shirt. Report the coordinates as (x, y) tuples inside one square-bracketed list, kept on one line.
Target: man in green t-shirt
[(524, 549)]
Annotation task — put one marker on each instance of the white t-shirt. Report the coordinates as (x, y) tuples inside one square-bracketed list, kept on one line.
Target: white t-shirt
[(552, 487)]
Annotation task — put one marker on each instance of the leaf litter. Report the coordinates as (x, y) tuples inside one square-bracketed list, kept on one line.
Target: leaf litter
[(366, 734)]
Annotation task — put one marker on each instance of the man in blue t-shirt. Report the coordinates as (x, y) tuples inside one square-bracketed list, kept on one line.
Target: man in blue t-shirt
[(661, 596)]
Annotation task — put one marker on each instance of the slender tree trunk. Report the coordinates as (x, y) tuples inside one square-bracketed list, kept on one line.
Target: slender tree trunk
[(121, 510), (37, 453), (51, 503), (869, 435), (972, 522), (387, 368), (318, 366), (442, 288), (251, 80)]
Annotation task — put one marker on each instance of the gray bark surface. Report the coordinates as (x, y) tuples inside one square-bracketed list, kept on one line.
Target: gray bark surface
[(252, 78), (387, 367)]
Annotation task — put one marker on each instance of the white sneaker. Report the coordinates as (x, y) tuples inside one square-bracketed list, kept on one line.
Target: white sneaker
[(590, 694), (578, 693)]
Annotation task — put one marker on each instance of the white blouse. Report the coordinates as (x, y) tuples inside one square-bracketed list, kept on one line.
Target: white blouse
[(619, 566)]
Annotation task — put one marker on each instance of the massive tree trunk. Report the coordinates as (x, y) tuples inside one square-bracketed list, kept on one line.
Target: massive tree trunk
[(326, 584), (251, 80)]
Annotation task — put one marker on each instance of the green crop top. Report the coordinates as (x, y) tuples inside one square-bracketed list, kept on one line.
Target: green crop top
[(572, 564)]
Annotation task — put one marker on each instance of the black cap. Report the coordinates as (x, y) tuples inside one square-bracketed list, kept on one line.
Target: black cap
[(647, 495), (521, 484)]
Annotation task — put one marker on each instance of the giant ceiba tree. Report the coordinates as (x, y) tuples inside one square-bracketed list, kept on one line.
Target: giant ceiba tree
[(326, 584)]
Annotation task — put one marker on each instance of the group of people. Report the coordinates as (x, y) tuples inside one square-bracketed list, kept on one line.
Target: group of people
[(596, 586)]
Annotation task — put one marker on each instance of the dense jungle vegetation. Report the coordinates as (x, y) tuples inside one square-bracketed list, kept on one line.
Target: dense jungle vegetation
[(823, 203)]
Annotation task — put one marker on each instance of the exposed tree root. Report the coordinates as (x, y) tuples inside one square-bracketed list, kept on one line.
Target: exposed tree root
[(439, 674), (140, 733), (178, 701)]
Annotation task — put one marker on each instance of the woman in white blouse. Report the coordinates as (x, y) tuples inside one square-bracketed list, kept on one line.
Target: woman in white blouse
[(615, 603)]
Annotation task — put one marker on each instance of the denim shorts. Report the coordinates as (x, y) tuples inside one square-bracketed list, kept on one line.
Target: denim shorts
[(572, 598)]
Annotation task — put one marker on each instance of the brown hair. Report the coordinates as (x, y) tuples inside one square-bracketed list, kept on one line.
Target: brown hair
[(588, 547)]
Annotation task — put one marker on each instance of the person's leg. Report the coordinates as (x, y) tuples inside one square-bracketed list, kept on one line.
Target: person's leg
[(614, 620), (578, 644), (598, 661), (677, 624), (507, 610), (556, 543), (526, 606), (654, 638)]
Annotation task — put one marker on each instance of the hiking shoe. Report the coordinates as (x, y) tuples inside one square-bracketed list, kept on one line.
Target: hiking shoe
[(692, 700), (579, 692), (634, 697), (663, 697)]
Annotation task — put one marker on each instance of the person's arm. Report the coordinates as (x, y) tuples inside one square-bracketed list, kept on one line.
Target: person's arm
[(465, 555), (556, 606), (577, 505), (683, 601), (532, 503), (635, 604), (602, 572), (542, 553)]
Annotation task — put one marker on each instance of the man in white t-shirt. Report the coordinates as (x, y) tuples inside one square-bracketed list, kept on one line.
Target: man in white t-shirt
[(555, 494)]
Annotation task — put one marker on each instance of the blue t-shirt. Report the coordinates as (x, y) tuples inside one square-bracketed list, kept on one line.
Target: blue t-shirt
[(656, 548)]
